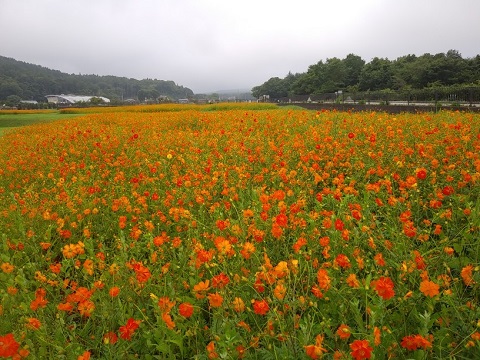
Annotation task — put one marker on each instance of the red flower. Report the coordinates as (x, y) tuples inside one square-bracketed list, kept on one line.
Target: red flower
[(220, 281), (260, 307), (421, 174), (343, 261), (414, 342), (448, 190), (339, 225), (8, 346), (281, 220), (384, 287), (110, 338), (129, 328), (361, 349), (185, 309)]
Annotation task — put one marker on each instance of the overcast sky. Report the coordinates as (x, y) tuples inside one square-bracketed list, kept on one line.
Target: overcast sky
[(209, 45)]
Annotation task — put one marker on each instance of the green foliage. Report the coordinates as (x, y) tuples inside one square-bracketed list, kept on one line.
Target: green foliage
[(34, 82), (405, 73)]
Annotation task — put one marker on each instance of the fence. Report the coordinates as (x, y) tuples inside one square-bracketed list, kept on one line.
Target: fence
[(441, 96)]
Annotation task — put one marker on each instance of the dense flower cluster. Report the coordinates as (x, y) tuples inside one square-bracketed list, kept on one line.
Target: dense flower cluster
[(241, 232)]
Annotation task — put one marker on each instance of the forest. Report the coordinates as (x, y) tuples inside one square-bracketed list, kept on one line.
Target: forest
[(23, 81), (353, 74)]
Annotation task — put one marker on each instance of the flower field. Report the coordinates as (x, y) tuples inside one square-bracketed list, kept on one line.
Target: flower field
[(241, 233)]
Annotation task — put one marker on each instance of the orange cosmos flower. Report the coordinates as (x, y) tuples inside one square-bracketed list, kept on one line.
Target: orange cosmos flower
[(247, 250), (352, 281), (384, 287), (377, 336), (33, 324), (168, 320), (414, 342), (84, 356), (212, 354), (467, 275), (361, 349), (8, 346), (429, 288), (114, 291), (238, 305), (86, 307), (141, 272), (127, 330), (421, 173), (379, 260), (110, 338), (281, 220), (260, 307), (316, 351), (7, 267), (201, 288), (185, 309), (280, 291), (215, 300), (220, 281), (343, 261), (323, 279), (343, 331), (165, 304)]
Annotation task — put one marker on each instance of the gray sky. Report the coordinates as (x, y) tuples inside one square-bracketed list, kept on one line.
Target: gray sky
[(209, 45)]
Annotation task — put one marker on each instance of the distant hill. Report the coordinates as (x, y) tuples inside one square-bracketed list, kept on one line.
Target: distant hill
[(33, 82)]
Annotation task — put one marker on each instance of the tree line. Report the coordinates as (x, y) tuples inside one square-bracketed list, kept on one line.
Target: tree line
[(21, 80), (353, 74)]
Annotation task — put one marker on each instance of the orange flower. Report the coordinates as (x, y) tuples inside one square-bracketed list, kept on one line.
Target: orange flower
[(323, 279), (238, 305), (33, 323), (8, 346), (316, 351), (114, 291), (165, 304), (110, 338), (185, 309), (260, 307), (429, 288), (127, 330), (86, 307), (201, 288), (215, 300), (343, 261), (280, 291), (168, 320), (247, 250), (212, 354), (84, 356), (281, 220), (377, 336), (361, 349), (220, 281), (7, 267), (352, 281), (414, 342), (384, 287), (343, 331), (467, 275)]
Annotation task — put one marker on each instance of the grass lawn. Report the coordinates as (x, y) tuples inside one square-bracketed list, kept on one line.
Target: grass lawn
[(9, 121)]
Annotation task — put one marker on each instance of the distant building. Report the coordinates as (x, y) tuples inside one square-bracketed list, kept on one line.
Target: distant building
[(72, 99)]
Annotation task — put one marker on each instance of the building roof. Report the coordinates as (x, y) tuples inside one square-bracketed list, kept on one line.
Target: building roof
[(72, 99)]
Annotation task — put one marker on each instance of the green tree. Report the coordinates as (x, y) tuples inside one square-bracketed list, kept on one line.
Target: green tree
[(354, 65), (376, 75)]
